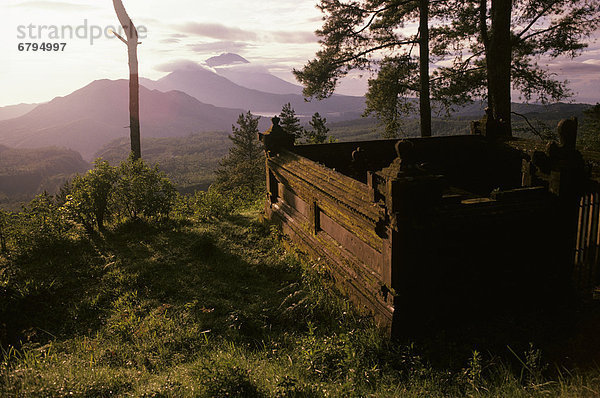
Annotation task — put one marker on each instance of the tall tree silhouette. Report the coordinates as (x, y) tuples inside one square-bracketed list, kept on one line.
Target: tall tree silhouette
[(243, 169), (134, 85)]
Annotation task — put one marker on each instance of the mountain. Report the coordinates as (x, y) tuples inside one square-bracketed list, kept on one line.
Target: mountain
[(211, 88), (12, 111), (243, 73), (226, 59), (98, 113), (257, 79), (27, 172)]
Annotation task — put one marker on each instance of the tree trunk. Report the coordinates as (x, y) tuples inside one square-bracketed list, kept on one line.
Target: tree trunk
[(499, 64), (485, 39), (134, 86), (424, 101), (134, 102)]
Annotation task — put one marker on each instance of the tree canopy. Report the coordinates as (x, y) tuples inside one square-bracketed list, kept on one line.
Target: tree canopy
[(479, 49), (243, 167), (290, 123)]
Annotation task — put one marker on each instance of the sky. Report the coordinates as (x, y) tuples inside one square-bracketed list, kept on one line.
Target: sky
[(277, 35)]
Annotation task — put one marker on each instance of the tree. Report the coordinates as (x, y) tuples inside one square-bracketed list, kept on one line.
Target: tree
[(89, 197), (134, 86), (289, 122), (589, 132), (355, 35), (489, 47), (319, 132), (504, 48), (243, 168)]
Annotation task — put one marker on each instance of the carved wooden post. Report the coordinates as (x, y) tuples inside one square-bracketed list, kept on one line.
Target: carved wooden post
[(134, 86), (567, 181), (274, 139), (410, 194)]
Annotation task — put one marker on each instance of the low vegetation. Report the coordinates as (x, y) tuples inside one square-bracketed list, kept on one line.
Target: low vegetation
[(202, 299)]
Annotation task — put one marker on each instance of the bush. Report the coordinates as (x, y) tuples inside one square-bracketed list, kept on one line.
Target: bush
[(132, 190), (39, 223), (142, 190), (212, 204), (88, 200)]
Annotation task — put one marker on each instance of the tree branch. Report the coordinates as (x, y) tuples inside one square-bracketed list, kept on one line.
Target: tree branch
[(534, 20), (370, 50), (457, 73), (376, 12), (553, 27), (125, 21), (119, 36)]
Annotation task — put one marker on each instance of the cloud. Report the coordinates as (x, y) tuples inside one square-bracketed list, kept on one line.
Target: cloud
[(216, 31), (170, 40), (54, 5), (245, 68), (576, 67), (180, 64), (291, 37), (220, 46), (226, 33)]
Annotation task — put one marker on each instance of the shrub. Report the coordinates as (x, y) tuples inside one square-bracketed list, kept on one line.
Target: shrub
[(88, 200), (142, 190), (212, 204)]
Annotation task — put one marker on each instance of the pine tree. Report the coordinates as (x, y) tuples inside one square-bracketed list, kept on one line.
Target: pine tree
[(488, 47), (319, 131), (243, 168), (589, 130), (290, 122)]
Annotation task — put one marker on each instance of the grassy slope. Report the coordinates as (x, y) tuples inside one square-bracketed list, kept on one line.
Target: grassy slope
[(220, 309)]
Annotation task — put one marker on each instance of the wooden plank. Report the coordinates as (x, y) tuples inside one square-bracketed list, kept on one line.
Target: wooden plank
[(362, 286), (364, 252), (354, 221)]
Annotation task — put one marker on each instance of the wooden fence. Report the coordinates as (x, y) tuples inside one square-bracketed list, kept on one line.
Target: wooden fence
[(587, 246)]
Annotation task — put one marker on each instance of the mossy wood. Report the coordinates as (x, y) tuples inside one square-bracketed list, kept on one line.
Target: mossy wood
[(427, 230)]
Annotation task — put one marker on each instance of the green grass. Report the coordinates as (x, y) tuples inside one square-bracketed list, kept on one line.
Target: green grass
[(221, 309)]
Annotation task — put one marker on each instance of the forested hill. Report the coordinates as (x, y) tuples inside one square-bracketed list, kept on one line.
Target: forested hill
[(27, 172), (189, 161)]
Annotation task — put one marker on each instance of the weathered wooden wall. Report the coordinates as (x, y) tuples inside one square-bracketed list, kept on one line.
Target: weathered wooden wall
[(454, 233)]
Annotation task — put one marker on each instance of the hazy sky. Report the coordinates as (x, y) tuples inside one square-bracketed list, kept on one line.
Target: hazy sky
[(273, 34)]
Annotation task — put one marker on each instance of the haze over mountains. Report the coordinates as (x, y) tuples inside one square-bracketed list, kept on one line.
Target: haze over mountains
[(90, 117), (12, 111), (190, 99), (217, 89)]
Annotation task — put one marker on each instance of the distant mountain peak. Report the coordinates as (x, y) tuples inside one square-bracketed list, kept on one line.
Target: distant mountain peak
[(226, 59)]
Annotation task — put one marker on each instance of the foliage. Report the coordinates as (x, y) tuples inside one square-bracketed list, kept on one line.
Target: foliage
[(132, 190), (243, 168), (289, 122), (469, 44), (589, 131), (387, 96), (206, 205), (533, 29), (189, 162), (88, 200), (319, 132), (371, 35), (142, 190), (219, 308)]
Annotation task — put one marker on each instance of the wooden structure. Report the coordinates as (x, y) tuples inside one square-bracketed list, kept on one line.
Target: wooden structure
[(420, 230)]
